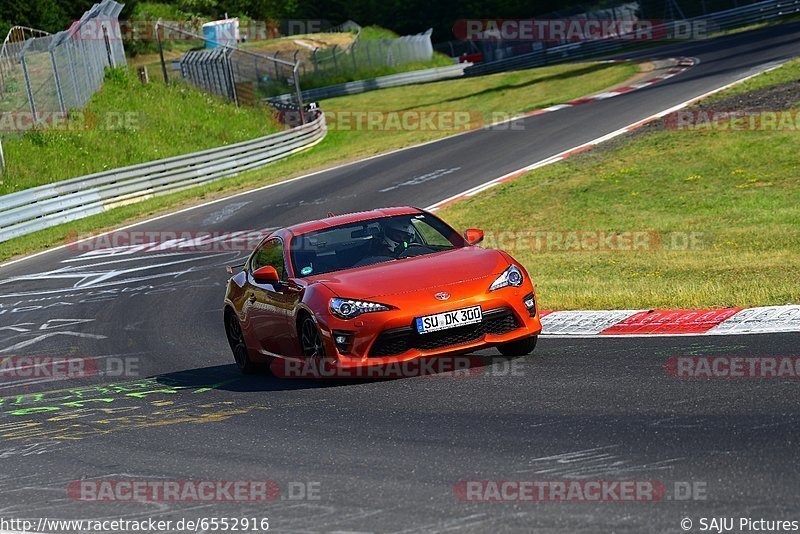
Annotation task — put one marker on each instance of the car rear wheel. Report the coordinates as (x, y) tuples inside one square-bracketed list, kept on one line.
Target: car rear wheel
[(518, 348), (238, 346)]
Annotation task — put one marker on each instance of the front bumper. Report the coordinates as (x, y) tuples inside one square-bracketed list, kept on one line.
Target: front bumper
[(382, 338)]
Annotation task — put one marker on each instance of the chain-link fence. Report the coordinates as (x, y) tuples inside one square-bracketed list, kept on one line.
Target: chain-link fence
[(61, 72), (10, 69), (238, 75), (371, 53)]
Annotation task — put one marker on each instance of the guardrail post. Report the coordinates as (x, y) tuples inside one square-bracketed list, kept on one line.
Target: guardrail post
[(383, 51), (28, 87), (314, 60), (369, 56), (234, 94), (111, 62), (296, 76), (161, 53), (74, 78), (57, 81), (219, 77)]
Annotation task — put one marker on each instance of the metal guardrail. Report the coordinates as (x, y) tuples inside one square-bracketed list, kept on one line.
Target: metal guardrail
[(45, 206), (722, 20), (382, 82)]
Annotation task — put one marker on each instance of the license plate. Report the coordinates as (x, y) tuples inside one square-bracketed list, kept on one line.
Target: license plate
[(450, 319)]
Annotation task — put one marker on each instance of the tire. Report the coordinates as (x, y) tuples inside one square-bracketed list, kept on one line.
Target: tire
[(241, 355), (310, 339), (311, 344), (520, 347)]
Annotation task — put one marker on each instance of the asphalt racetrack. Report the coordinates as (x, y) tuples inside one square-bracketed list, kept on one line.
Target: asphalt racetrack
[(388, 455)]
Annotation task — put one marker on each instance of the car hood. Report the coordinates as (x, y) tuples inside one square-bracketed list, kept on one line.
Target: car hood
[(433, 271)]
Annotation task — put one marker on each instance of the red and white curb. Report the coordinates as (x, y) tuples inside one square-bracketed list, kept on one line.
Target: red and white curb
[(591, 144), (681, 64), (709, 322)]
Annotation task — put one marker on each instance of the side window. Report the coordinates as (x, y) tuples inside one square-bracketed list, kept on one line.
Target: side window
[(271, 253), (430, 234)]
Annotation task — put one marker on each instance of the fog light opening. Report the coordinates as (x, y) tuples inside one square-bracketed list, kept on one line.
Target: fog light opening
[(530, 303)]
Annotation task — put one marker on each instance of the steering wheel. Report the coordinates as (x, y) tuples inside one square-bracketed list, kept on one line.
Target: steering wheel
[(409, 246)]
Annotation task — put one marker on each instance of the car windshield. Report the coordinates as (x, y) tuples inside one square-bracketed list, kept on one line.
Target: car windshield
[(370, 242)]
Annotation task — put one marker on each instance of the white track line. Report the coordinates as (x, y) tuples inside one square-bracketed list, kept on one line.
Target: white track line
[(564, 154)]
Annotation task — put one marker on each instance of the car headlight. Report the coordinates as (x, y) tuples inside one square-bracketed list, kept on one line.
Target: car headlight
[(510, 277), (349, 308)]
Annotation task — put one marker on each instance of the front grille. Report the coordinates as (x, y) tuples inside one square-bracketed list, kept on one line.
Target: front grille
[(399, 340)]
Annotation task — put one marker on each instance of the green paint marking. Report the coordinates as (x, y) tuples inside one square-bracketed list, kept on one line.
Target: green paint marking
[(79, 397), (38, 409)]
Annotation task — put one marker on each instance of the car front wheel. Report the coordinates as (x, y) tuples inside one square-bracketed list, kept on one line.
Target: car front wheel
[(520, 347)]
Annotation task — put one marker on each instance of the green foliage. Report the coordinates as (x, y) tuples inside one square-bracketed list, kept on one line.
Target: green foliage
[(127, 123), (376, 32)]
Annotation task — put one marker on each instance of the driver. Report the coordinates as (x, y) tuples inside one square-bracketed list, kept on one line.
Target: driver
[(397, 235)]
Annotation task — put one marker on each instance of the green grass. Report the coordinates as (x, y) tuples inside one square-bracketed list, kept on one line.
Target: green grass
[(487, 98), (376, 32), (790, 72), (738, 191), (508, 93), (129, 123), (756, 26)]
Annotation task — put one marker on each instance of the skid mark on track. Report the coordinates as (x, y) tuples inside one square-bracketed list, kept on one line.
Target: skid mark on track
[(31, 333), (600, 461), (223, 214), (30, 449), (421, 179)]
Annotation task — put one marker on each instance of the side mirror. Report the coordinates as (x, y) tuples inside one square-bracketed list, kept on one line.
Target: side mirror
[(266, 275), (473, 236)]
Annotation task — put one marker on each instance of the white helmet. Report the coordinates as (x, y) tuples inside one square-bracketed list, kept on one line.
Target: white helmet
[(396, 233)]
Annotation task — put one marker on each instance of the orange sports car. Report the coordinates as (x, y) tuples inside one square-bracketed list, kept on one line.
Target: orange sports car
[(376, 288)]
